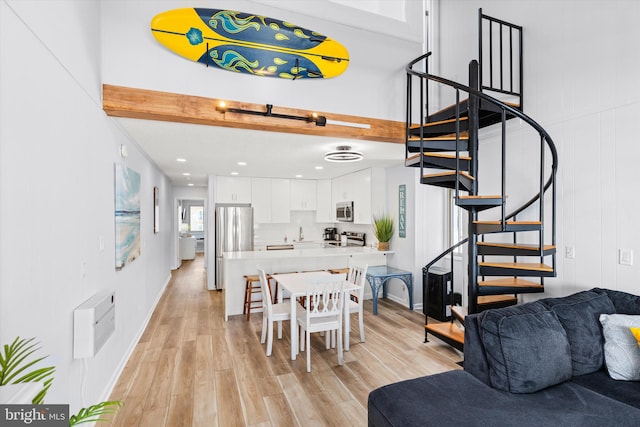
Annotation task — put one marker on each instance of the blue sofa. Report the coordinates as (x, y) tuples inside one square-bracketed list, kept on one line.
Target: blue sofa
[(537, 364)]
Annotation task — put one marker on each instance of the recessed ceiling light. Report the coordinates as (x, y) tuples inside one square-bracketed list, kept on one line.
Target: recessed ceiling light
[(186, 174), (242, 163), (181, 160), (343, 153), (319, 168), (298, 176), (234, 173), (190, 184)]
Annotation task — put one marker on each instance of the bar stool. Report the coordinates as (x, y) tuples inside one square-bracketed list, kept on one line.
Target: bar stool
[(251, 286)]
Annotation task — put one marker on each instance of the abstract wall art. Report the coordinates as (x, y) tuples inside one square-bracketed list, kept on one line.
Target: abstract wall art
[(127, 215)]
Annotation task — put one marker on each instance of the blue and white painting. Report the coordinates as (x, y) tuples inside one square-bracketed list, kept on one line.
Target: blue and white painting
[(127, 210)]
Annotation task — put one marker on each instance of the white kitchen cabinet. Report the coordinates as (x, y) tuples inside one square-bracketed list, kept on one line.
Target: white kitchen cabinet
[(303, 195), (280, 212), (231, 189), (270, 200), (362, 197), (261, 200), (325, 209), (366, 189), (342, 189)]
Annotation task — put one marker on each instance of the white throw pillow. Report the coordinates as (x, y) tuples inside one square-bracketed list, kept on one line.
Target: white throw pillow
[(621, 350)]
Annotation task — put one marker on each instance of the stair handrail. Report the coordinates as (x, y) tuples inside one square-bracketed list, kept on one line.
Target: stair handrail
[(505, 108), (543, 133)]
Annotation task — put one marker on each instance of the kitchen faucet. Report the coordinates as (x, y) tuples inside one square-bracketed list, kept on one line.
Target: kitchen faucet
[(301, 236)]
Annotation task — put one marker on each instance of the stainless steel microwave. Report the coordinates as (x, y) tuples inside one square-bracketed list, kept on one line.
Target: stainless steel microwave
[(344, 211)]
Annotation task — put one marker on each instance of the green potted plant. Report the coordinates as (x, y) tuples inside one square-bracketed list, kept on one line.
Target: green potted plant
[(18, 364), (383, 230)]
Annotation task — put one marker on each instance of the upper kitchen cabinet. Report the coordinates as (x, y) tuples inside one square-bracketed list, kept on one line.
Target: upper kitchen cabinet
[(325, 209), (280, 190), (270, 200), (366, 189), (342, 189), (261, 200), (232, 189), (303, 195)]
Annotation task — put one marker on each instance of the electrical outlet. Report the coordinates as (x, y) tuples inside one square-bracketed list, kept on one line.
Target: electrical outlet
[(625, 256), (570, 252)]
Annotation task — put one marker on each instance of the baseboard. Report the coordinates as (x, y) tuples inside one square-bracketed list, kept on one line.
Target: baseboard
[(134, 343)]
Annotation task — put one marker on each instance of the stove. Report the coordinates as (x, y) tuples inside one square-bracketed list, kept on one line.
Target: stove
[(353, 239)]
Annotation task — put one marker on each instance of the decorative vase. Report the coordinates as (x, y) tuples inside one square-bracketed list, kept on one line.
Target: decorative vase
[(383, 246)]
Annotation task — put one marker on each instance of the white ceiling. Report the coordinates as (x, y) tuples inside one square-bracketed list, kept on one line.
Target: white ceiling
[(212, 150)]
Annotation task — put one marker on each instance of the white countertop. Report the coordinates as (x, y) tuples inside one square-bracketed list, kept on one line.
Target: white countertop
[(302, 253)]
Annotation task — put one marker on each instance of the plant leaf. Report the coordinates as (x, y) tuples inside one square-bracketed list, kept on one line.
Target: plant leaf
[(93, 413)]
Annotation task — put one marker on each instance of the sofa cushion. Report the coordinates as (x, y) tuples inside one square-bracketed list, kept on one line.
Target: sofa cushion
[(621, 351), (458, 398), (527, 348), (579, 315), (636, 333), (624, 302), (600, 382)]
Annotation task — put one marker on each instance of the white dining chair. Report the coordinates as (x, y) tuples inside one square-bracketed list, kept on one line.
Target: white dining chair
[(271, 313), (323, 312), (358, 276)]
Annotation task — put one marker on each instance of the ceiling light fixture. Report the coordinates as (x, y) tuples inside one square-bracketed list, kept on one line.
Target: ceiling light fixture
[(181, 160), (343, 153), (313, 118)]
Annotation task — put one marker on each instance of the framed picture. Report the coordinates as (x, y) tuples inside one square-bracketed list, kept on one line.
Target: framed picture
[(156, 211), (127, 215)]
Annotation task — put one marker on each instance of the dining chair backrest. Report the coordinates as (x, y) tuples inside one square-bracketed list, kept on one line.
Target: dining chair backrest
[(324, 297), (358, 276), (266, 293)]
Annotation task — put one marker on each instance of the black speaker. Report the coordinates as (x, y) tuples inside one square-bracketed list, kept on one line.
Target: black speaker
[(439, 291)]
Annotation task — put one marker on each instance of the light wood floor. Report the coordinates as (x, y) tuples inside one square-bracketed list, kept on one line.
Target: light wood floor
[(191, 368)]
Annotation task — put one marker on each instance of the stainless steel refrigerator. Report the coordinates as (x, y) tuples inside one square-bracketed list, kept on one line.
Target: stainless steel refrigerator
[(234, 232)]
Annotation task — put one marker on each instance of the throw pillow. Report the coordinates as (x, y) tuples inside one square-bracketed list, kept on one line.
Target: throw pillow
[(636, 333), (579, 315), (621, 351), (527, 348)]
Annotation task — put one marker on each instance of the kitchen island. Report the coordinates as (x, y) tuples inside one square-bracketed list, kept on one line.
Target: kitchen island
[(238, 264)]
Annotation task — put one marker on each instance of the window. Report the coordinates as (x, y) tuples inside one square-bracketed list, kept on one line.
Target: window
[(196, 218)]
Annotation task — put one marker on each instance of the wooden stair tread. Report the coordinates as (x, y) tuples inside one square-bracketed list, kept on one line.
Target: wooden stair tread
[(459, 312), (448, 173), (441, 155), (517, 265), (448, 137), (492, 299), (509, 222), (447, 329), (439, 122), (516, 246), (512, 282), (476, 197)]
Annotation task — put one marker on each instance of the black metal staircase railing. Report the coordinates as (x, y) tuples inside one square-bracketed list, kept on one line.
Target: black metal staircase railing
[(495, 28), (505, 111)]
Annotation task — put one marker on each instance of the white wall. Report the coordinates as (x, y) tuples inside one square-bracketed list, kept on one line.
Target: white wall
[(581, 86), (57, 156)]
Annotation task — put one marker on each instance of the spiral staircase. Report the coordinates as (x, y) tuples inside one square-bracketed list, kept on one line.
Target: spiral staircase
[(510, 249)]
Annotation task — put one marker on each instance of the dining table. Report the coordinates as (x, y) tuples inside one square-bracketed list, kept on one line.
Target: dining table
[(295, 285)]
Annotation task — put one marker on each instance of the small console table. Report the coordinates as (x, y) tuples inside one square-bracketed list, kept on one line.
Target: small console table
[(378, 275)]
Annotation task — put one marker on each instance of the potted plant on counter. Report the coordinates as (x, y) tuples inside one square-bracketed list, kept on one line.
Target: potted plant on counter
[(383, 230)]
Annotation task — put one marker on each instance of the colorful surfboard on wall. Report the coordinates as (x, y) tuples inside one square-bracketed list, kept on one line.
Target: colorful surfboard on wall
[(248, 43)]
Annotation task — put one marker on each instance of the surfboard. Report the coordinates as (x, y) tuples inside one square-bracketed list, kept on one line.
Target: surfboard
[(248, 43)]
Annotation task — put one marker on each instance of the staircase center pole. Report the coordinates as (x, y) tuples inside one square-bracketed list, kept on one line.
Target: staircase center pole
[(472, 285)]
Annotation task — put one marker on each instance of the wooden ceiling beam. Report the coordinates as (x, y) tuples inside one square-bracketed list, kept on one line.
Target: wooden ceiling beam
[(119, 101)]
